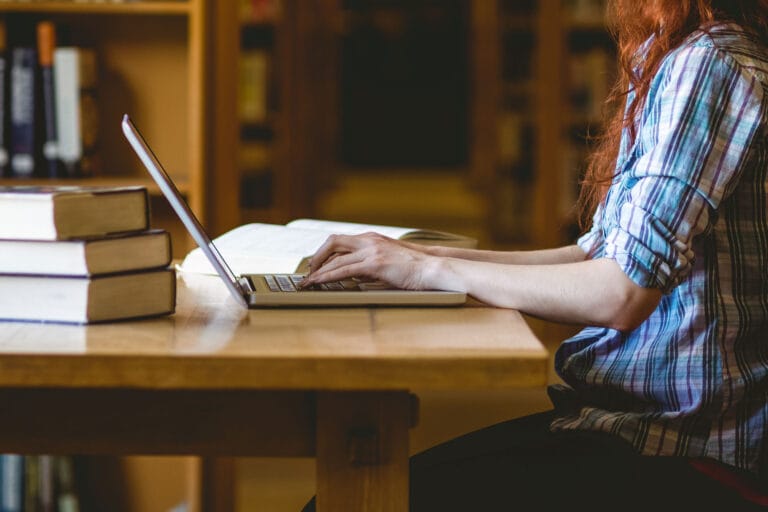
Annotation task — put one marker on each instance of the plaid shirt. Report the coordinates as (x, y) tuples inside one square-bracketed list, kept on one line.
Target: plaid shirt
[(686, 213)]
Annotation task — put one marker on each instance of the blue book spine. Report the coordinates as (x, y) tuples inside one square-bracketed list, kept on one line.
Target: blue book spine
[(46, 42), (23, 67), (11, 483)]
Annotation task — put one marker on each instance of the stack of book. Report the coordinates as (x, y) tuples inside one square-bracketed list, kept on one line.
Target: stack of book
[(82, 255)]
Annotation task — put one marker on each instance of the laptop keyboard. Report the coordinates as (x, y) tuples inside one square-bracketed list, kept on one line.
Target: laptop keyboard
[(291, 282)]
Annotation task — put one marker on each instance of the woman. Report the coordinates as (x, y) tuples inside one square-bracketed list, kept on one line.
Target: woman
[(666, 398)]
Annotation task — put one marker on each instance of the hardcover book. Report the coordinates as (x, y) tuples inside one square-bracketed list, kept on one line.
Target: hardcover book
[(85, 300), (64, 212), (87, 257)]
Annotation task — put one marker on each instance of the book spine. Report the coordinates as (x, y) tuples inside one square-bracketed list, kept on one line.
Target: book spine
[(89, 112), (11, 483), (66, 65), (76, 112), (4, 156), (46, 484), (23, 64), (67, 500), (46, 42), (253, 86), (31, 481)]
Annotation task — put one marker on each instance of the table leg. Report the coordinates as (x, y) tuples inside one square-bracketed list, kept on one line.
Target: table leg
[(362, 451)]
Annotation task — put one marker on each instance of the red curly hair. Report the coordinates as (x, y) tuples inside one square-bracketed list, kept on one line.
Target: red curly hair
[(632, 23)]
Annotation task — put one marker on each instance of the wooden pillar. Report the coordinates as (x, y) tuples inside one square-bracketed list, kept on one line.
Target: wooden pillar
[(485, 81), (223, 177)]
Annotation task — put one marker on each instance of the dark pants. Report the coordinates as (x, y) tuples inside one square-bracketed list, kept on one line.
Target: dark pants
[(520, 465)]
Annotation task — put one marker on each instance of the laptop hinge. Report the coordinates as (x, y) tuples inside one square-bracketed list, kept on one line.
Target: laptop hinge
[(246, 283)]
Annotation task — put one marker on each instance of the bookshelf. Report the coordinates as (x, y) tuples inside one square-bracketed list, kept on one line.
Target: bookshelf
[(553, 63), (537, 71), (270, 143), (183, 7), (589, 56), (151, 61)]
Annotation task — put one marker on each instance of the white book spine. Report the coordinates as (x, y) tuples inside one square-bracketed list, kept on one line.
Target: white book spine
[(66, 65)]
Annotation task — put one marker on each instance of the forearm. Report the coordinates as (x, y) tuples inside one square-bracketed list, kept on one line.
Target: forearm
[(572, 289), (592, 292), (568, 254)]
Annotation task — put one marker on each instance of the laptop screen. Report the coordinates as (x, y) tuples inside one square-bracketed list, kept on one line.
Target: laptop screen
[(179, 205)]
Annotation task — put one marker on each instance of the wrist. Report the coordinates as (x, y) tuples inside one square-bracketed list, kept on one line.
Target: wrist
[(440, 274), (434, 250)]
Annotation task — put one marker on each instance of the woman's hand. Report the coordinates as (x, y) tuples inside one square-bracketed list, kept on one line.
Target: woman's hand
[(371, 256), (572, 290)]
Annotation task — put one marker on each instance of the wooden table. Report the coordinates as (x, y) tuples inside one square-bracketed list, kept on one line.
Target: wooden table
[(217, 380)]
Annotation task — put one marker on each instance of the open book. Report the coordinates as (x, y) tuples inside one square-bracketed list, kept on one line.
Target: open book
[(275, 249)]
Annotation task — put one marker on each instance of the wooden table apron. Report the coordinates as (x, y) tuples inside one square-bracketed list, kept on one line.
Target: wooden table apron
[(217, 380)]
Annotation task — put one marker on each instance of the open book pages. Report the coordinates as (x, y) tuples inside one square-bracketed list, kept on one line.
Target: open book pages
[(274, 249)]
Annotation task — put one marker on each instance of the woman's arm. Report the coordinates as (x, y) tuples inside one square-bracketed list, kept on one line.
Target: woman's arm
[(568, 254), (592, 292)]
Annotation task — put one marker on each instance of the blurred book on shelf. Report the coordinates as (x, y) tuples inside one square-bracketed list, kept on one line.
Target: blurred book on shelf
[(256, 180), (259, 11), (11, 483), (253, 86), (48, 103), (585, 11), (38, 483), (4, 100), (590, 81), (46, 43), (75, 74), (23, 111), (257, 103)]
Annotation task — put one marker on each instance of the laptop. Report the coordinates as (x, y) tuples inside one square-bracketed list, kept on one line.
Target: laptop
[(265, 290)]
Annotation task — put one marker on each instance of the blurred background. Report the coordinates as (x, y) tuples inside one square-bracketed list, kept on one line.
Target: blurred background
[(470, 116)]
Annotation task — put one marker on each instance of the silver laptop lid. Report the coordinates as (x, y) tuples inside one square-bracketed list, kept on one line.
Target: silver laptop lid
[(179, 205)]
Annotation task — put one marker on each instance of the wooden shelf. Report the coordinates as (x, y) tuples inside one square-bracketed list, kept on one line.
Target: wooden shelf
[(128, 7), (101, 181), (157, 73)]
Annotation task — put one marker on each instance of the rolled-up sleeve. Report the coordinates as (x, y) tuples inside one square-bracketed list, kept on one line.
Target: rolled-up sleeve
[(591, 241), (699, 124)]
